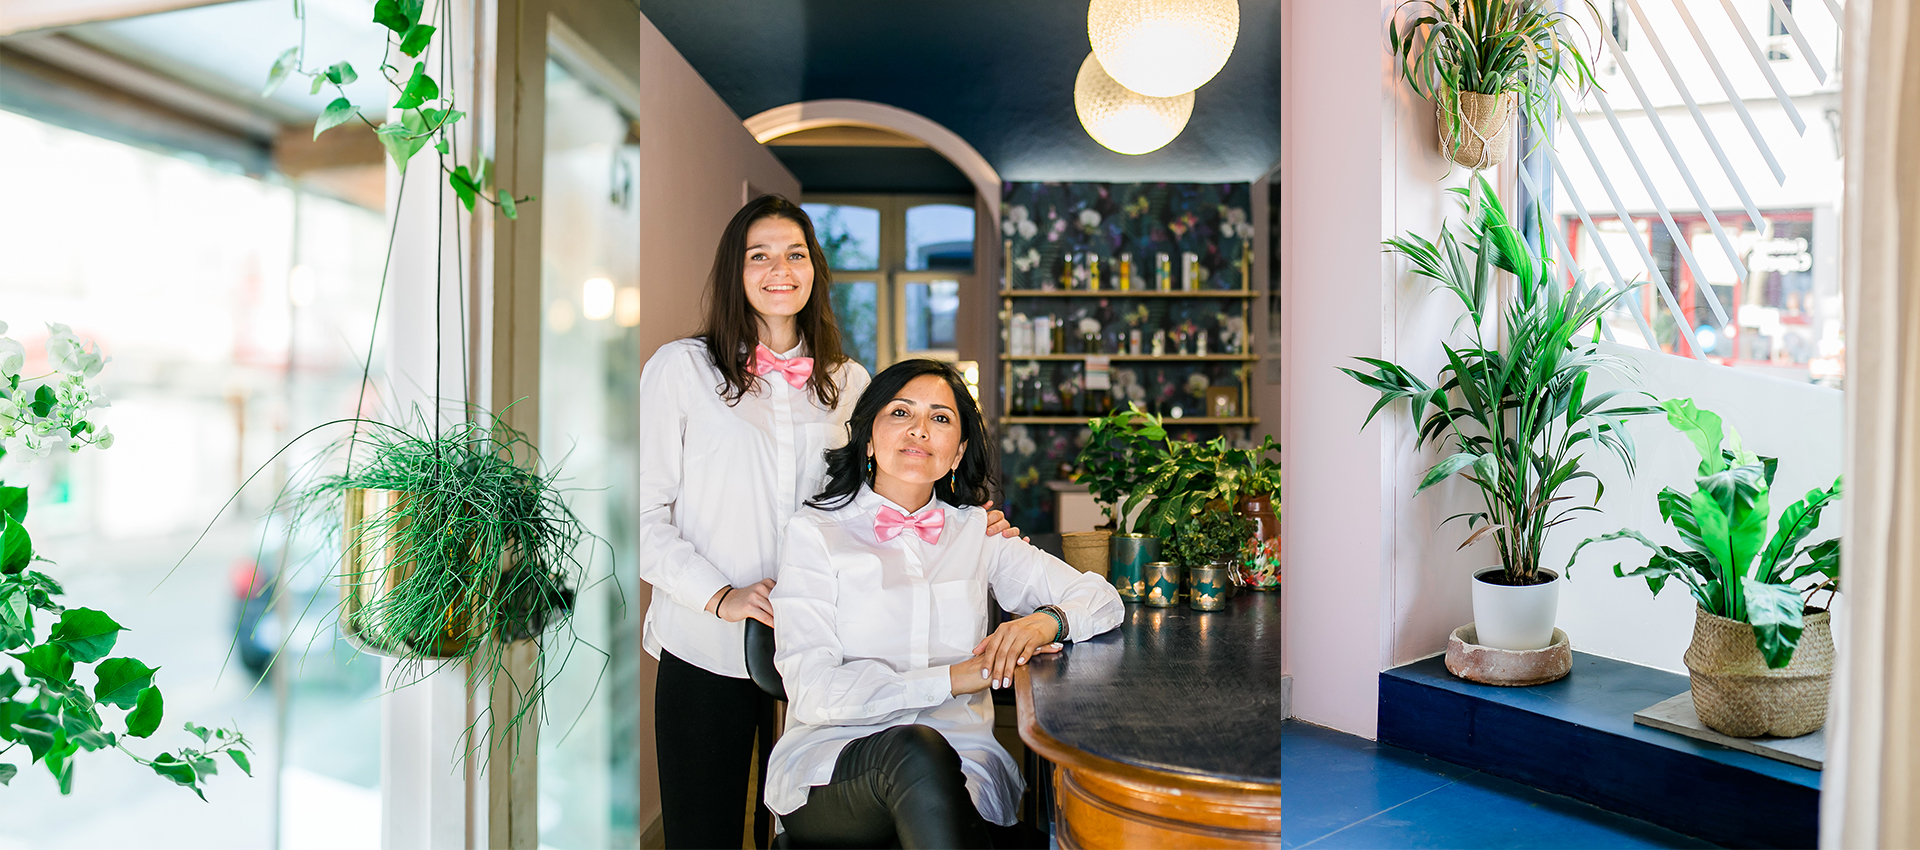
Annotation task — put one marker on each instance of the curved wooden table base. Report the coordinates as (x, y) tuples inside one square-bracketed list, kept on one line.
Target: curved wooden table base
[(1102, 803)]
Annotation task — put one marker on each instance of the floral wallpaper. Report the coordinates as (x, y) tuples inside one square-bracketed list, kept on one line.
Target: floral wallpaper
[(1060, 234), (1046, 223)]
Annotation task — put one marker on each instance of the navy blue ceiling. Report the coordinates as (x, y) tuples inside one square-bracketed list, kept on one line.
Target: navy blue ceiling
[(998, 72), (838, 169)]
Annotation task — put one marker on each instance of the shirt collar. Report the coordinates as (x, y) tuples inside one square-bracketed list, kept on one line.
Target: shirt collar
[(871, 502)]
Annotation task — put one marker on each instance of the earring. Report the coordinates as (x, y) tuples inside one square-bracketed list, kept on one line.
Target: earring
[(869, 469), (953, 481)]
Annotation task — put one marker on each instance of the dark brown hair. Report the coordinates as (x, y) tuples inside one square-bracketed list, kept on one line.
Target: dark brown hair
[(731, 330), (970, 484)]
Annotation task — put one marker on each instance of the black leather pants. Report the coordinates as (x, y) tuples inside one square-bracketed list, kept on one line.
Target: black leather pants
[(903, 784)]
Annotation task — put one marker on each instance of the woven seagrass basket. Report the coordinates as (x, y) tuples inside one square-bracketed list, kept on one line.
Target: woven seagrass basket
[(1737, 694), (1476, 130)]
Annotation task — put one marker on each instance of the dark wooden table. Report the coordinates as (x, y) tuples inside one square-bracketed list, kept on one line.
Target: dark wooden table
[(1164, 731)]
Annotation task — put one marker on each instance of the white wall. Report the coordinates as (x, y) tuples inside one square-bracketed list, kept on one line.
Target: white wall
[(695, 157), (1798, 423)]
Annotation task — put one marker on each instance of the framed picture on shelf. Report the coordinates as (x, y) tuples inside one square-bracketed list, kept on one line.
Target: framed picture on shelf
[(1223, 402)]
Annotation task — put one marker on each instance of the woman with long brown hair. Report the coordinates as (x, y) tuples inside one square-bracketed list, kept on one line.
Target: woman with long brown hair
[(734, 426)]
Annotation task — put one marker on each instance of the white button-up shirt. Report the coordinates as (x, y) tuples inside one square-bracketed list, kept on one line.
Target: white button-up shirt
[(718, 483), (867, 630)]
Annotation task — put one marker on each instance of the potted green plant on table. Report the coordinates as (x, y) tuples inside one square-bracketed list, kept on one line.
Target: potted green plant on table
[(1481, 61), (1761, 659), (1122, 449), (1258, 484), (1513, 402), (45, 704), (1208, 548)]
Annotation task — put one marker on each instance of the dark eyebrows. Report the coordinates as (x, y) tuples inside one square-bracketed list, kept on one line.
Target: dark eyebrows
[(762, 247), (915, 403)]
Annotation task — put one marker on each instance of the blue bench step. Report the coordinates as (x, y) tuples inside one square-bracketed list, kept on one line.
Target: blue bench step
[(1577, 737)]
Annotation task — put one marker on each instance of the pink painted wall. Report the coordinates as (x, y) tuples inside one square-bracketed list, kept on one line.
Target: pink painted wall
[(1369, 579), (695, 157)]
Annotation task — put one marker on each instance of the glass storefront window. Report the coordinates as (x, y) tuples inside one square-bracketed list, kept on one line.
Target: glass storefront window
[(931, 308), (589, 430), (856, 307)]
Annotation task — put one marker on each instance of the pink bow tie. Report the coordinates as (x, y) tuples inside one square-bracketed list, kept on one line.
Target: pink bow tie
[(889, 523), (796, 370)]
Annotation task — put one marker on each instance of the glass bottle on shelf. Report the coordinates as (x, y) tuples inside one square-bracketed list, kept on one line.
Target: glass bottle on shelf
[(1059, 336), (1093, 271)]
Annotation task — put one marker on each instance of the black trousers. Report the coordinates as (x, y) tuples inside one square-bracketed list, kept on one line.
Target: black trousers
[(705, 726), (901, 787)]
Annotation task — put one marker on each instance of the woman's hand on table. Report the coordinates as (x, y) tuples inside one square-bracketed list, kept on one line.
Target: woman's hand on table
[(1010, 646), (997, 524), (739, 603)]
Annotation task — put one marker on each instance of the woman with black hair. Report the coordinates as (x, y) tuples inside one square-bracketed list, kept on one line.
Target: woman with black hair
[(882, 629), (733, 426)]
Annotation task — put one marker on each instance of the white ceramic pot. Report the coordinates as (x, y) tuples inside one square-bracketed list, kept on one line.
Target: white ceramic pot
[(1516, 618)]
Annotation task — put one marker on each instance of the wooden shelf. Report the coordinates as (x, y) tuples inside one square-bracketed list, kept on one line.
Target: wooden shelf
[(1167, 421), (1135, 293), (1171, 358)]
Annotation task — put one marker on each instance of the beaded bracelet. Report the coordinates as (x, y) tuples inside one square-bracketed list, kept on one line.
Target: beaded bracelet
[(1059, 617)]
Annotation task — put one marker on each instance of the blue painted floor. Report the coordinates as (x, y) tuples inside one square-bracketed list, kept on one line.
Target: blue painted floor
[(1348, 792)]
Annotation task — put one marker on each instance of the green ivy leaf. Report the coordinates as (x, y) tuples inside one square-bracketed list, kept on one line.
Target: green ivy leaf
[(462, 182), (289, 59), (179, 772), (240, 758), (121, 680), (7, 773), (147, 711), (508, 209), (420, 88), (318, 81), (48, 663), (10, 684), (339, 112), (416, 39), (341, 73), (16, 546), (441, 146), (198, 731), (203, 765), (396, 15), (60, 764), (93, 739), (44, 400), (85, 634), (13, 502), (401, 140), (41, 733)]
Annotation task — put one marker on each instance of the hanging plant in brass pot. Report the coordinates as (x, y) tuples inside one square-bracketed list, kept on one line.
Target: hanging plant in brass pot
[(453, 547), (1479, 62)]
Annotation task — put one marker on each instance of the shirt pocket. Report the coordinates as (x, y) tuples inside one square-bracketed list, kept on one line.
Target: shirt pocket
[(959, 614)]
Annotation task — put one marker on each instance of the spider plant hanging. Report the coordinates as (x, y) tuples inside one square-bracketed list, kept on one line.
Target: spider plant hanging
[(1479, 62)]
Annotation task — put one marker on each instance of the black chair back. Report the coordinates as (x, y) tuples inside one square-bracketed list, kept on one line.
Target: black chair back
[(760, 660)]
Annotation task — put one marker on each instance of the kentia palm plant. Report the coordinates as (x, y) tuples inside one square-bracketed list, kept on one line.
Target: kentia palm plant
[(1514, 405), (1475, 60)]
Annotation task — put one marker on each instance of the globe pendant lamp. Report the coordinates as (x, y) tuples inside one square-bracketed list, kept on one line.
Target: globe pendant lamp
[(1125, 120), (1162, 48)]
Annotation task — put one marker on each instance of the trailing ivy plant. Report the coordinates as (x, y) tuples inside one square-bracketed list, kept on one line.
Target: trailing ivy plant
[(427, 112), (1130, 461), (1730, 565), (45, 704)]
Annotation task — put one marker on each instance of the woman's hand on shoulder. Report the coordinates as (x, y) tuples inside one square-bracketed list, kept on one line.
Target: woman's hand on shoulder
[(1008, 647), (734, 604), (997, 524)]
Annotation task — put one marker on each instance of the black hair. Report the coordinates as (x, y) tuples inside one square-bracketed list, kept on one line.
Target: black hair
[(731, 329), (847, 465)]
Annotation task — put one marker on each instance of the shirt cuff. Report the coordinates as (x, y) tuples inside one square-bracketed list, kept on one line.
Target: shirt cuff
[(698, 600), (929, 687)]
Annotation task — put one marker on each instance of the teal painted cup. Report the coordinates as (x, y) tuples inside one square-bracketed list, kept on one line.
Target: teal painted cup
[(1210, 584), (1163, 584), (1130, 554)]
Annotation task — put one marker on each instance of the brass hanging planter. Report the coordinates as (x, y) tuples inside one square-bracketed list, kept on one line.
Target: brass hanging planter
[(374, 563)]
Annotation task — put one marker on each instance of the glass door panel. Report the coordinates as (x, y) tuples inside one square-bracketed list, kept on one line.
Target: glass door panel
[(856, 306), (589, 381)]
